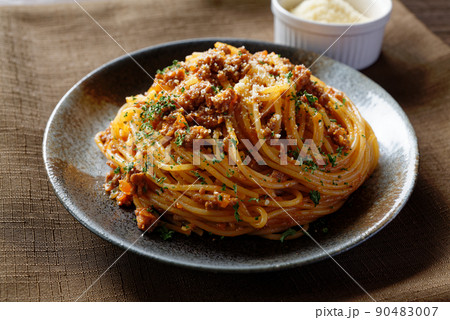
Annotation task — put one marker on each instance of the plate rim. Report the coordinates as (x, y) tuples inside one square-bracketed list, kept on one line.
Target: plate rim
[(345, 246)]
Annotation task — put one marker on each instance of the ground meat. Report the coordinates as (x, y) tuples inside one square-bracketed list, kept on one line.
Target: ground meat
[(196, 132), (205, 104), (124, 199), (221, 200), (225, 101), (324, 99), (217, 68), (210, 64), (112, 181), (199, 94), (106, 135), (301, 76), (339, 95), (236, 66), (271, 124), (140, 181), (111, 164), (211, 205), (266, 133), (225, 49), (339, 135), (206, 109), (173, 122), (206, 117), (203, 94), (263, 59), (167, 126), (185, 133), (171, 77), (279, 176), (145, 219)]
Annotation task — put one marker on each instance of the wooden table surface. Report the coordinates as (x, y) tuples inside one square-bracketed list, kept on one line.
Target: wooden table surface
[(435, 14)]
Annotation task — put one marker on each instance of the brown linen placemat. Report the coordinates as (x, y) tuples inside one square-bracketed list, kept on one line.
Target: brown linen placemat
[(46, 255)]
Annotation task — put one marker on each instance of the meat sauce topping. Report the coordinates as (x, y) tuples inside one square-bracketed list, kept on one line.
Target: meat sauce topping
[(194, 108)]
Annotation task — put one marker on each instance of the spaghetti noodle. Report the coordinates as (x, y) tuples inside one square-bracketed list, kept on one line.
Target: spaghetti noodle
[(282, 149)]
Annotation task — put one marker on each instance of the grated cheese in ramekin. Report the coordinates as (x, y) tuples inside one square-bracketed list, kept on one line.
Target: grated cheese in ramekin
[(328, 11)]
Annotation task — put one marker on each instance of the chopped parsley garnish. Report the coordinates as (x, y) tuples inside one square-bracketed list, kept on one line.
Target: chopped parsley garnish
[(254, 199), (117, 170), (165, 233), (287, 233), (175, 64), (236, 213), (160, 180), (320, 225), (188, 128), (180, 139), (128, 167), (314, 195), (289, 76), (294, 153), (332, 160), (310, 165), (339, 151), (310, 97), (202, 179), (216, 89), (151, 109), (145, 168), (297, 98), (224, 187), (146, 126)]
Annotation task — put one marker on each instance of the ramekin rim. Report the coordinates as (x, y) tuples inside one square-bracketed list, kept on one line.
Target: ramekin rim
[(279, 10)]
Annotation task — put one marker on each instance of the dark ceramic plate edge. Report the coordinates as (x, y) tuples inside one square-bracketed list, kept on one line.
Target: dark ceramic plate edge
[(343, 247)]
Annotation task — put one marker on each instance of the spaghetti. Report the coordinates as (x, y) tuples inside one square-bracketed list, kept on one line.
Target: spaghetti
[(280, 148)]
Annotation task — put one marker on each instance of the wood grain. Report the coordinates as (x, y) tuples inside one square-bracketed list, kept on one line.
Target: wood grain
[(435, 14)]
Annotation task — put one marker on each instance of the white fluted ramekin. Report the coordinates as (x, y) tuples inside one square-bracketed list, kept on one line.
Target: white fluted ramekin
[(358, 46)]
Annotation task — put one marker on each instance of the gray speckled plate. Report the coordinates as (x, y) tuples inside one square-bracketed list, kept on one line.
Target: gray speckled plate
[(76, 168)]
